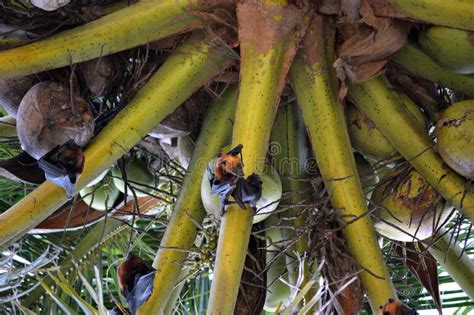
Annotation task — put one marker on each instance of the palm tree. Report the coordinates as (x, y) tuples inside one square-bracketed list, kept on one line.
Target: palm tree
[(332, 54)]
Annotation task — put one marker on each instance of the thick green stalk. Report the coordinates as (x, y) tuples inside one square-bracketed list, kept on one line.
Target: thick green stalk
[(265, 56), (193, 64), (454, 13), (7, 127), (459, 267), (132, 26), (413, 59), (288, 148), (313, 82), (384, 108), (188, 210)]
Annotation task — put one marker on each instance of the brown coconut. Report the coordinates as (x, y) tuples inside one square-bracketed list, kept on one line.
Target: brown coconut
[(408, 208), (97, 74), (12, 92), (47, 118), (183, 120)]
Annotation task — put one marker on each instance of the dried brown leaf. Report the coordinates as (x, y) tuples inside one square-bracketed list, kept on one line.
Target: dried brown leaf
[(423, 266), (364, 54)]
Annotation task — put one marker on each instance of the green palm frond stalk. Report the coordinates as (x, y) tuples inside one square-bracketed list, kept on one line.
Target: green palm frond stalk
[(289, 142), (265, 58), (193, 64), (312, 79), (182, 230), (413, 59), (454, 13), (132, 26), (457, 263), (383, 106)]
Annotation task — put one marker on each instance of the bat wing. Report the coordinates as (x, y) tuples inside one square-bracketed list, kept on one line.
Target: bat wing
[(238, 193), (50, 170), (223, 189), (140, 292), (248, 191)]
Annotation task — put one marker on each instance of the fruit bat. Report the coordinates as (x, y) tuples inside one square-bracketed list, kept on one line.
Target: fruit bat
[(395, 307), (63, 165), (227, 180), (135, 281)]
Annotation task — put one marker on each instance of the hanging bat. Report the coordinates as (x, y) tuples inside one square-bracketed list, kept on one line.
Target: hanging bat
[(63, 165), (228, 180), (396, 307), (135, 281)]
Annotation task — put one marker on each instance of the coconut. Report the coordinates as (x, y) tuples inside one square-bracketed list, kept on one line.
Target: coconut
[(47, 118), (183, 120), (12, 91), (100, 197), (98, 179), (139, 178), (407, 208), (185, 150), (456, 137), (268, 202), (367, 139), (97, 74)]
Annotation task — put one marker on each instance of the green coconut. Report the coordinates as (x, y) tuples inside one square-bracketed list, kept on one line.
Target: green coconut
[(408, 208), (456, 137), (271, 195), (98, 179), (367, 139), (139, 178), (100, 197), (451, 48)]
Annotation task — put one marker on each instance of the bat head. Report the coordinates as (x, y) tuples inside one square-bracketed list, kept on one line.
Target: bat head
[(129, 271), (63, 165), (396, 307), (229, 165), (70, 157)]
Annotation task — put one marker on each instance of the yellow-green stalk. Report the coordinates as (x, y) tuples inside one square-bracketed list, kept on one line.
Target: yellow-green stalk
[(265, 58), (312, 79), (453, 13), (413, 59), (288, 149), (193, 64), (449, 47), (188, 210), (384, 107), (129, 27), (459, 267), (7, 127)]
